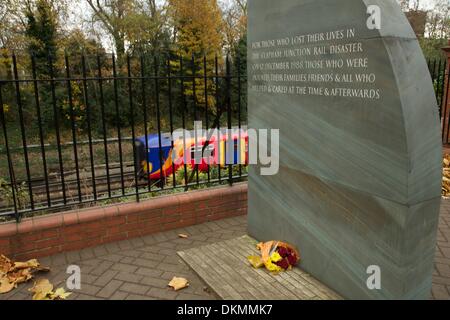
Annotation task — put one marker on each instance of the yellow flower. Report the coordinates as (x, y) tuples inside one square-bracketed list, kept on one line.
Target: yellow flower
[(272, 267), (255, 261), (270, 264), (275, 257)]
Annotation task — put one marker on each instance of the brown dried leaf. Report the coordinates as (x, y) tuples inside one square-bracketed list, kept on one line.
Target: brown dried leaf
[(33, 263), (14, 273), (42, 269), (60, 294), (41, 289), (446, 176), (20, 276), (178, 283), (5, 264), (6, 286)]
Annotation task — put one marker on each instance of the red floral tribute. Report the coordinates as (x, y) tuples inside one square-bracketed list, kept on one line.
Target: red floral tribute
[(289, 256), (276, 256)]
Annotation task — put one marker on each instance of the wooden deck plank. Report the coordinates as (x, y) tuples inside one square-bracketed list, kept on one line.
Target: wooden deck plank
[(224, 267)]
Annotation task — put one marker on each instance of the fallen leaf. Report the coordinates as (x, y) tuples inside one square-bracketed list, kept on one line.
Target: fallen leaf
[(446, 177), (14, 273), (41, 289), (42, 269), (6, 286), (5, 264), (60, 294), (178, 283), (33, 263), (183, 236), (20, 276)]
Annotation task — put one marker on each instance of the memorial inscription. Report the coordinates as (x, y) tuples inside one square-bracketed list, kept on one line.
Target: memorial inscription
[(346, 83), (310, 70)]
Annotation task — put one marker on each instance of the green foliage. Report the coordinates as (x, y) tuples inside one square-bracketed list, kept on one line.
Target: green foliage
[(42, 33), (240, 66), (432, 48), (6, 194)]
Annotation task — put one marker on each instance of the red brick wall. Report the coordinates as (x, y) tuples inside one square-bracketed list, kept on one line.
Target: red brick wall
[(74, 230)]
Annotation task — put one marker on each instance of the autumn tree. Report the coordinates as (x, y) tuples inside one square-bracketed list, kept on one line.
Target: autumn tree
[(240, 68), (147, 27), (42, 41), (133, 25), (235, 17), (41, 31), (404, 4), (197, 26), (438, 26), (113, 16), (7, 25), (12, 33), (235, 24), (438, 30)]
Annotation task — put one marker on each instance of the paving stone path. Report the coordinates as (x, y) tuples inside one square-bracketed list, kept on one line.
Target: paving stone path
[(224, 267), (141, 268), (441, 274)]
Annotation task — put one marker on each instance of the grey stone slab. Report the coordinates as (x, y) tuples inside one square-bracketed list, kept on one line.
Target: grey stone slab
[(360, 175), (224, 267)]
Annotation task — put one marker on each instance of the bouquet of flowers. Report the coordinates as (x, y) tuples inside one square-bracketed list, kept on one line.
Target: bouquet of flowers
[(276, 256)]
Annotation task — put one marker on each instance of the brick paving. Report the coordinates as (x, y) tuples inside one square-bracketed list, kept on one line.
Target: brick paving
[(141, 268), (441, 274)]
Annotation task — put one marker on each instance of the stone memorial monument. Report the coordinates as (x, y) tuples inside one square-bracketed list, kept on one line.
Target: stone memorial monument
[(358, 190)]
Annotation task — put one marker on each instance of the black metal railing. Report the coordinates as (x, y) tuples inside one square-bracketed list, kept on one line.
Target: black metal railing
[(69, 125), (440, 75)]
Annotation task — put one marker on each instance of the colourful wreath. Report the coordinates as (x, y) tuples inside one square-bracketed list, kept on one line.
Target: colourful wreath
[(276, 256)]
